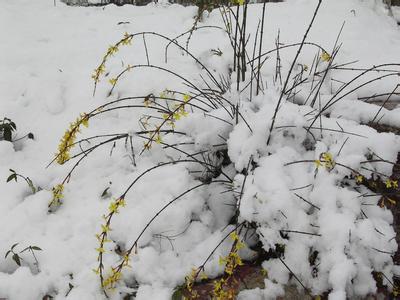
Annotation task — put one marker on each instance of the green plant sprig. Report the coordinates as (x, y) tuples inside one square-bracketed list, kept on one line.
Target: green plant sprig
[(7, 127), (16, 256), (14, 175)]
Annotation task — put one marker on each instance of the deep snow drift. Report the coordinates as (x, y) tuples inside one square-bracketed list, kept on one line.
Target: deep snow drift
[(48, 55)]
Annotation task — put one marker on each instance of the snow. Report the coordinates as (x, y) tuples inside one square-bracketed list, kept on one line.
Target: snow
[(48, 55)]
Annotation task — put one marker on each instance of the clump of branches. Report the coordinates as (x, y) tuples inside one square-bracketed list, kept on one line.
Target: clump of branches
[(163, 112)]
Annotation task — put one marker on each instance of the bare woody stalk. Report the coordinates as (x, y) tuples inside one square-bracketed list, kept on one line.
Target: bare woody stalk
[(283, 92), (260, 48)]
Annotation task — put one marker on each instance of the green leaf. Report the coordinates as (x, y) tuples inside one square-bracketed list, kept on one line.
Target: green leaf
[(105, 193), (8, 252), (11, 177), (7, 134), (30, 183), (177, 295), (36, 248), (13, 246), (16, 258)]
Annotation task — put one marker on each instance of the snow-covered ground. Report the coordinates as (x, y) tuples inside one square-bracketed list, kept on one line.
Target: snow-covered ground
[(48, 54)]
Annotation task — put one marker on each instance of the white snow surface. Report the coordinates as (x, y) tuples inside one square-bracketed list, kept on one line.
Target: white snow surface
[(48, 54)]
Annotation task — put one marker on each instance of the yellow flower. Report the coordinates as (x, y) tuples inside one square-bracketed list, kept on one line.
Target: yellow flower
[(127, 40), (359, 178), (183, 112), (122, 202), (110, 281), (57, 194), (177, 116), (391, 184), (105, 228), (317, 163), (112, 50), (113, 208), (325, 56), (234, 236), (100, 250), (239, 245), (388, 183), (238, 2), (113, 81), (164, 94), (172, 124), (146, 102), (327, 160), (327, 156), (68, 140), (158, 139), (96, 271), (85, 120)]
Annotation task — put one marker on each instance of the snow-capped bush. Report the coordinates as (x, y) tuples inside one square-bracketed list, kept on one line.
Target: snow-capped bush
[(207, 150), (291, 172)]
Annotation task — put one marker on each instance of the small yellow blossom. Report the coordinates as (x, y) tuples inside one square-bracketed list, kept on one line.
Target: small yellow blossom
[(112, 50), (96, 271), (105, 228), (57, 194), (68, 140), (325, 56), (359, 178), (113, 208), (317, 163), (113, 81), (158, 139), (100, 250), (327, 160), (391, 184), (238, 2), (177, 116)]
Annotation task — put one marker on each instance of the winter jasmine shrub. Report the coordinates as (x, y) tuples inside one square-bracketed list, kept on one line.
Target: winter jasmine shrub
[(261, 159)]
